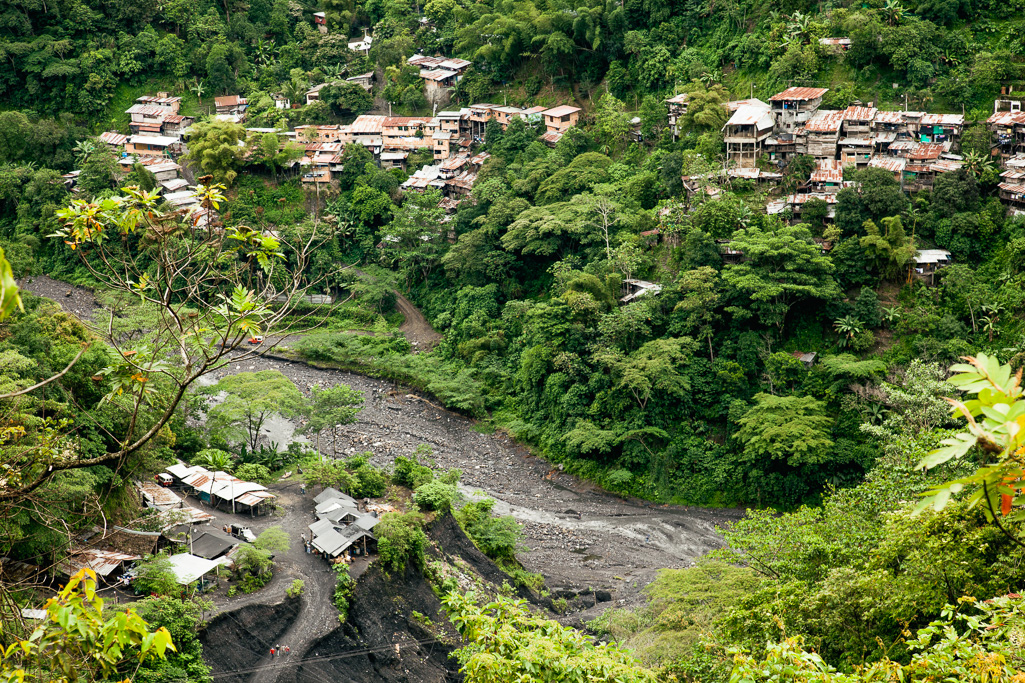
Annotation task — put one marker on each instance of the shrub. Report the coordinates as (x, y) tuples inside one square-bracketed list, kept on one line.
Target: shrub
[(496, 537), (154, 575), (253, 472), (410, 473), (296, 589), (272, 540), (370, 482), (435, 495), (401, 540), (344, 585)]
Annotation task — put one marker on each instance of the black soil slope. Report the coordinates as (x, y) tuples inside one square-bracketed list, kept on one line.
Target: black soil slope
[(233, 642), (396, 630), (381, 641)]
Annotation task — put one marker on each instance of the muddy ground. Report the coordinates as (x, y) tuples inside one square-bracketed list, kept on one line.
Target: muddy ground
[(578, 536)]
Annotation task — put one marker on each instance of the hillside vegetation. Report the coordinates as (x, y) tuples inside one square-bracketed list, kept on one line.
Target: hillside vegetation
[(610, 297)]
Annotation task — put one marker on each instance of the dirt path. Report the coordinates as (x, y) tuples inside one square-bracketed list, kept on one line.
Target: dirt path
[(416, 328), (575, 534), (317, 614), (418, 331)]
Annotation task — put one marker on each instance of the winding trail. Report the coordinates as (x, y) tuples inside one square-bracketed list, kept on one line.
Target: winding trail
[(575, 534)]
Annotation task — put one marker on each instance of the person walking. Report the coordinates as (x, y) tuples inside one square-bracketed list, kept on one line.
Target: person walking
[(272, 653), (288, 650)]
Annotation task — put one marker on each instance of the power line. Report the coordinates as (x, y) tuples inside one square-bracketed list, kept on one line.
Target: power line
[(327, 658)]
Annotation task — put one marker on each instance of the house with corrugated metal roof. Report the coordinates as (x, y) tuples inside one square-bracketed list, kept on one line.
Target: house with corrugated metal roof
[(746, 132), (795, 106)]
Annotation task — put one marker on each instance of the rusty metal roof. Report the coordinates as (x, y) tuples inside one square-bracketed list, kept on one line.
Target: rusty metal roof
[(891, 164), (679, 99), (395, 121), (926, 150), (799, 94), (229, 101), (103, 562), (827, 171), (943, 120), (113, 138), (157, 496), (1007, 118), (367, 124), (853, 113), (825, 121), (889, 117)]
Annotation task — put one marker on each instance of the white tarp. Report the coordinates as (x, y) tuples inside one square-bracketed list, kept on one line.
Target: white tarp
[(188, 568)]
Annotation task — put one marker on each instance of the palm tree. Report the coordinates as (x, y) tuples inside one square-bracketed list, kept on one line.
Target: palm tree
[(891, 314), (848, 327), (977, 164), (214, 460), (894, 12), (83, 150), (198, 88), (295, 90)]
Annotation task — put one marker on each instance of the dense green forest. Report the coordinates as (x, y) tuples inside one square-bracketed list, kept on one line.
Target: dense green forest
[(808, 381)]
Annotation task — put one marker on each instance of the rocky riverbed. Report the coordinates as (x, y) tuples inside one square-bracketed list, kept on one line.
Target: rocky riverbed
[(575, 534)]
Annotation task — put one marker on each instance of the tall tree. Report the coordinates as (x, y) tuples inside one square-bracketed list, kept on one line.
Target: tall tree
[(249, 400), (795, 429), (330, 408), (890, 250), (782, 266), (218, 149)]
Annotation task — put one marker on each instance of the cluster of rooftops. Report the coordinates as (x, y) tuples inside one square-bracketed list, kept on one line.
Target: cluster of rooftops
[(341, 527)]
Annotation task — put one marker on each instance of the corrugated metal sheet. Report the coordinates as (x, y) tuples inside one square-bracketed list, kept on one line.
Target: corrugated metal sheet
[(926, 150), (146, 110), (943, 120), (1007, 118), (367, 124), (825, 121), (103, 562), (158, 496), (947, 165), (254, 498), (749, 115), (891, 164), (799, 94), (827, 171), (113, 138), (894, 117), (853, 113)]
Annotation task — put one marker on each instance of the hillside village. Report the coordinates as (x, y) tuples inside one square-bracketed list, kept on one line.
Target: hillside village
[(512, 340), (760, 140)]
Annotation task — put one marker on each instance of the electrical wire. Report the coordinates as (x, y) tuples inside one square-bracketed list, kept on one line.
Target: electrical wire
[(326, 658)]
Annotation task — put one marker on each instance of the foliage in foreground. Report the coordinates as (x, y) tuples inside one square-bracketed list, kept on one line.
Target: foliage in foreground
[(985, 647), (509, 643), (77, 642)]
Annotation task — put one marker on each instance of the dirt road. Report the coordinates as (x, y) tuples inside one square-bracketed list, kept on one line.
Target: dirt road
[(418, 331), (575, 534)]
